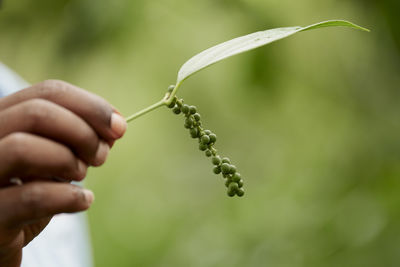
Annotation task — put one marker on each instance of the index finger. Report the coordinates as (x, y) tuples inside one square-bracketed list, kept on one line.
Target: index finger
[(96, 111)]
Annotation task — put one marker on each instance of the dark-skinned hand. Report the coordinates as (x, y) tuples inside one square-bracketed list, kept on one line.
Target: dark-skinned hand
[(49, 132)]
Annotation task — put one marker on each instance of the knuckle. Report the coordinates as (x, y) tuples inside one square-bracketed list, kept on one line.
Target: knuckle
[(51, 88), (36, 110), (33, 197), (17, 142)]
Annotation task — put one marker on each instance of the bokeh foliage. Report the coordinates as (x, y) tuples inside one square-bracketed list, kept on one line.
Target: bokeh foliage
[(312, 122)]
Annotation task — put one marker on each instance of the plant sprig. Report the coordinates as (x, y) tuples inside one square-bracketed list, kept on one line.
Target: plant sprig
[(209, 57), (233, 47)]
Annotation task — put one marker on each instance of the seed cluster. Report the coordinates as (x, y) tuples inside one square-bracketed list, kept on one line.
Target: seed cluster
[(207, 139)]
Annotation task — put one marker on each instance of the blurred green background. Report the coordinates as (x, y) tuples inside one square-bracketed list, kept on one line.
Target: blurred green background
[(312, 123)]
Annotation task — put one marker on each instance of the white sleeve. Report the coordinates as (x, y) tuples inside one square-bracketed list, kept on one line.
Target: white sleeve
[(10, 82), (63, 243)]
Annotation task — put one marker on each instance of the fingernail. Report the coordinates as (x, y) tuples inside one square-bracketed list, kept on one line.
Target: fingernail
[(89, 196), (81, 169), (101, 154), (118, 125)]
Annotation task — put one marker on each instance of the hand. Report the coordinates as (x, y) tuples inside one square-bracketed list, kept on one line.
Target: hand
[(52, 129)]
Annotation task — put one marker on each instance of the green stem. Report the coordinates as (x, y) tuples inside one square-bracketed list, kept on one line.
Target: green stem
[(165, 101), (171, 96), (160, 103)]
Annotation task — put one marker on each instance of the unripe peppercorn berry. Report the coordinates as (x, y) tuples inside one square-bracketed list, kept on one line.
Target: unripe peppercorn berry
[(202, 146), (226, 160), (205, 139), (185, 109), (176, 110), (240, 183), (213, 138), (233, 186), (231, 193), (216, 160), (217, 170), (189, 121), (179, 103), (197, 116), (232, 169), (208, 153), (207, 132), (194, 132), (236, 177), (172, 103), (225, 168), (240, 192), (192, 109)]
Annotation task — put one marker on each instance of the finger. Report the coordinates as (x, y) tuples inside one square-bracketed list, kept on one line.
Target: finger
[(25, 154), (96, 111), (50, 120), (35, 229), (28, 203), (34, 178)]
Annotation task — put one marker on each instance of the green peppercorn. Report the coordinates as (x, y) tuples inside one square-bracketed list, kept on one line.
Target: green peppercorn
[(176, 110), (185, 109), (226, 160), (202, 146), (233, 186), (197, 116), (189, 121), (213, 138), (232, 169), (217, 170), (236, 177), (194, 132), (205, 139), (231, 192), (216, 160), (240, 192), (225, 167), (192, 109), (172, 103)]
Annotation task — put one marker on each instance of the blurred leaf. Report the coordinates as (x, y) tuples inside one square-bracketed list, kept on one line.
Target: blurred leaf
[(248, 42)]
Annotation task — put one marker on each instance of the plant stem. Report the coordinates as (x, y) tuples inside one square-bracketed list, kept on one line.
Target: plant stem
[(160, 103), (171, 96), (165, 101)]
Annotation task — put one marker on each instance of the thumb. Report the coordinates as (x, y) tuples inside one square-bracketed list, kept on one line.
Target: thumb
[(27, 203)]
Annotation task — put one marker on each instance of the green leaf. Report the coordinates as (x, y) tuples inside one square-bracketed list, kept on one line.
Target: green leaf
[(246, 43)]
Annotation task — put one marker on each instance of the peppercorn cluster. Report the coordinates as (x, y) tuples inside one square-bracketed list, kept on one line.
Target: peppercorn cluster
[(207, 139)]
